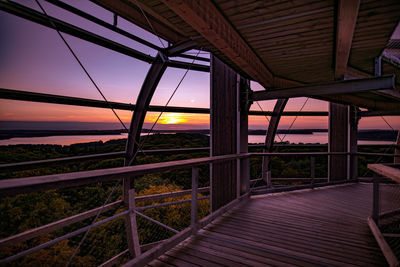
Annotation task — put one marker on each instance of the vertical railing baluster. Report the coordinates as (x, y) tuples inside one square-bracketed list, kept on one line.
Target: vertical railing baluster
[(265, 171), (132, 222), (195, 185), (312, 171)]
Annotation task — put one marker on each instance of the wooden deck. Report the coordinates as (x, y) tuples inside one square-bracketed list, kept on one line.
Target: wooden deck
[(326, 226)]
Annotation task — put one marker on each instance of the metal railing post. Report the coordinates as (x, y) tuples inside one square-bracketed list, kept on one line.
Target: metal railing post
[(195, 185), (375, 199), (312, 171)]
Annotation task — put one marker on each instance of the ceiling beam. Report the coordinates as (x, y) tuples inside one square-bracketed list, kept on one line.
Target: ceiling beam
[(347, 14), (206, 19), (332, 88)]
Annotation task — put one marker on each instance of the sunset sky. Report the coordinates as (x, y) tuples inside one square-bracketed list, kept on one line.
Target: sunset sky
[(33, 58)]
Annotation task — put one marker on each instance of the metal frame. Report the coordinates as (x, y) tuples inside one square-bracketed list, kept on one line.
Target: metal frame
[(270, 137), (326, 89), (34, 16)]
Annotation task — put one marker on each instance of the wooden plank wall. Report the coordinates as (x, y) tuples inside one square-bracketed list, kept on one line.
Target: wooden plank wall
[(338, 133), (223, 136)]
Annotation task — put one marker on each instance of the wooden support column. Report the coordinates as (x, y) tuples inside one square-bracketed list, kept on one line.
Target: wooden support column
[(243, 106), (343, 119), (352, 142), (342, 138), (397, 148), (228, 133), (270, 137)]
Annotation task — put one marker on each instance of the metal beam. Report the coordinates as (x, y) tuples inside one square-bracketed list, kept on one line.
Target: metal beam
[(187, 65), (347, 14), (32, 15), (200, 15), (332, 88), (194, 57), (130, 11), (85, 102), (379, 113), (180, 47), (149, 86), (142, 104), (289, 113), (270, 137), (363, 102), (100, 22)]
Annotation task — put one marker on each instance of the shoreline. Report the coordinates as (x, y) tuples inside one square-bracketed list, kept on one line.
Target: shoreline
[(373, 135)]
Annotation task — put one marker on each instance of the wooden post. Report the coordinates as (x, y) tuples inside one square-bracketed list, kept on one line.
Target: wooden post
[(265, 170), (397, 149), (312, 170), (133, 238), (195, 185), (352, 142), (223, 135), (242, 142), (375, 199), (338, 141)]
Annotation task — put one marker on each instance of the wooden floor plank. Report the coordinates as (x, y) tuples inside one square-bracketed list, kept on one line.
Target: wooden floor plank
[(305, 237), (325, 226), (309, 246)]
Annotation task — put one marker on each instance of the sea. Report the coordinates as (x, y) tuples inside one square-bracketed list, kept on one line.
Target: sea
[(314, 138)]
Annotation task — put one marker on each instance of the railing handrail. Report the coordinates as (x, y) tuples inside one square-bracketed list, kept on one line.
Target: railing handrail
[(118, 154), (300, 154), (386, 171), (46, 182)]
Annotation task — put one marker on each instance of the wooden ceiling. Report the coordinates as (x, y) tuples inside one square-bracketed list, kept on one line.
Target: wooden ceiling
[(277, 43)]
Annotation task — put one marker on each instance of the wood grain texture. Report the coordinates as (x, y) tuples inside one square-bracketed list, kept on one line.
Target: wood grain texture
[(223, 132), (205, 18), (338, 134), (347, 14), (320, 227)]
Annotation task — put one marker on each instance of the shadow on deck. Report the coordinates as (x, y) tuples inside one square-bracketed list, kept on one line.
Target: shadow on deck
[(326, 226)]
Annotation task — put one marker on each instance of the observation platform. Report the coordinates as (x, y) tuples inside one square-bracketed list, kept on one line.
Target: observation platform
[(313, 227)]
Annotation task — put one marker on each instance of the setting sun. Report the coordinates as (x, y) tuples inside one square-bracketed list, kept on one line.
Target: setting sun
[(172, 118)]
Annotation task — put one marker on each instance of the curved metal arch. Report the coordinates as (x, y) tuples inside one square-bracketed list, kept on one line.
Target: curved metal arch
[(147, 90), (149, 86), (270, 137)]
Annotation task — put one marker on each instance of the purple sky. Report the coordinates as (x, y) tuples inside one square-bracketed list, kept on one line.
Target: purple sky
[(33, 58)]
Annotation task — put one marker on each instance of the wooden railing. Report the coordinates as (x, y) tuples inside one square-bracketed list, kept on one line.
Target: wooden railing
[(392, 172), (11, 187), (121, 154)]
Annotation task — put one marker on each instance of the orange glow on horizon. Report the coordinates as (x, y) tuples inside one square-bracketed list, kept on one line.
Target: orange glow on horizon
[(178, 118)]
